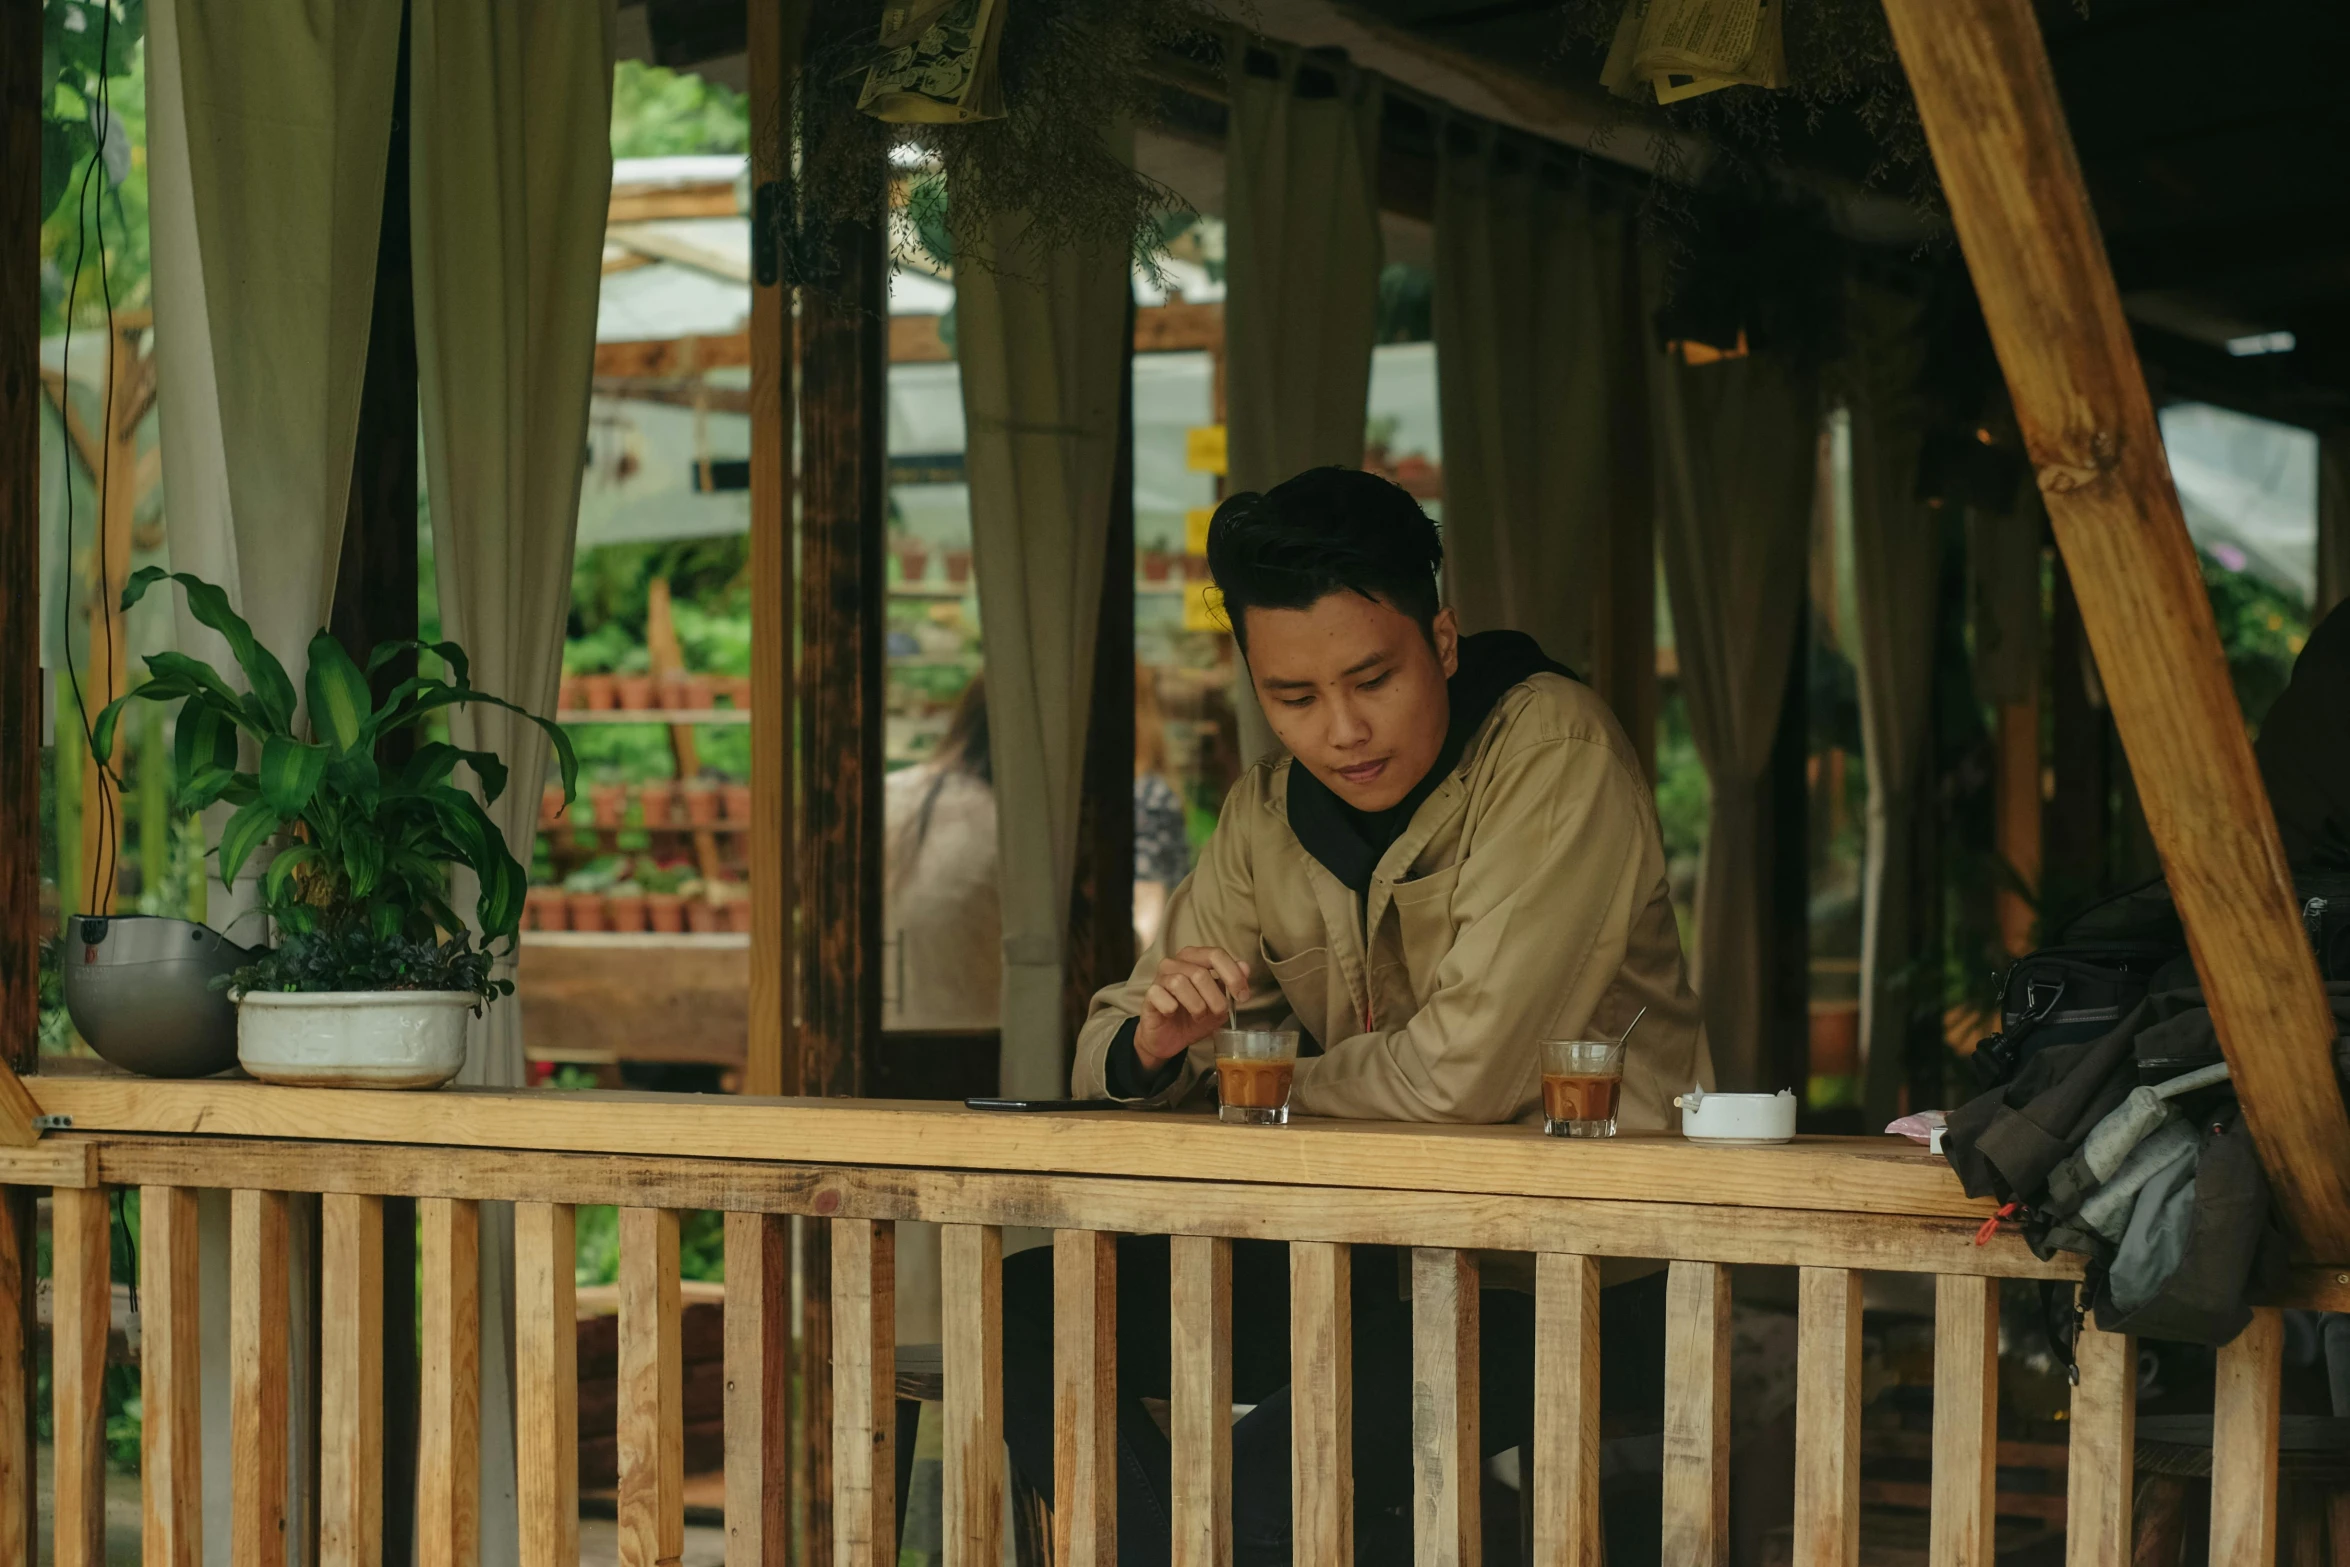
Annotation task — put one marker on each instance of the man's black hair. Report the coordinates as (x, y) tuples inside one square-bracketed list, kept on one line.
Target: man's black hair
[(1329, 530)]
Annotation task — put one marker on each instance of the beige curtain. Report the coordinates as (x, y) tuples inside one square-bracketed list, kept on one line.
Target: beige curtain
[(1040, 338), (2333, 521), (268, 124), (1530, 346), (511, 119), (1301, 303), (1896, 560), (1734, 446)]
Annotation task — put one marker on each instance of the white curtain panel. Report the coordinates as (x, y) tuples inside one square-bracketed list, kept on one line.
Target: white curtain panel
[(1896, 561), (1302, 261), (1041, 340), (1529, 344), (263, 227), (511, 120), (2333, 521), (1735, 452)]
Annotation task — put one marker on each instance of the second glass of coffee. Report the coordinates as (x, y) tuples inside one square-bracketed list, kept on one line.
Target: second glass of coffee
[(1581, 1082), (1254, 1067)]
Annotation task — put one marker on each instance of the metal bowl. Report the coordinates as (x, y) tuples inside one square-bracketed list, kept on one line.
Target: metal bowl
[(139, 989)]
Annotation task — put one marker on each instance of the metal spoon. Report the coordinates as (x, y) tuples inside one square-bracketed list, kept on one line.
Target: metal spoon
[(1628, 1027)]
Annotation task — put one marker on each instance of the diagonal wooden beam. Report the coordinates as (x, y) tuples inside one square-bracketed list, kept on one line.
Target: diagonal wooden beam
[(1988, 100)]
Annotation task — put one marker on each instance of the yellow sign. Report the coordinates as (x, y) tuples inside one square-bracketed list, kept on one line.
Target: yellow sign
[(1195, 529), (1203, 607), (1203, 449)]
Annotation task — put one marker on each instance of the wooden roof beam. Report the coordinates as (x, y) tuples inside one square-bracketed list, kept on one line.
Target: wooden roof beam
[(1986, 95)]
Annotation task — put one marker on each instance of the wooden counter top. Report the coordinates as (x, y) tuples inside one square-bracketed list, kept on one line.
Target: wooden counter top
[(1851, 1174)]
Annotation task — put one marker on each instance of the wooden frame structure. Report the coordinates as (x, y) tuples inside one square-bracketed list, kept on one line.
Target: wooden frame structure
[(848, 1172)]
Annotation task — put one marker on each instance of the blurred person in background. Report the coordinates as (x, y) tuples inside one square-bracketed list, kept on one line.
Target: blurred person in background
[(1162, 846)]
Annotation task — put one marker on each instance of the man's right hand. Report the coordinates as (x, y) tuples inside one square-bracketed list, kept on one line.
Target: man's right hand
[(1191, 996)]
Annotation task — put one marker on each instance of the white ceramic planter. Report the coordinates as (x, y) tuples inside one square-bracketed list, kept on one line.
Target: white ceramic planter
[(353, 1038)]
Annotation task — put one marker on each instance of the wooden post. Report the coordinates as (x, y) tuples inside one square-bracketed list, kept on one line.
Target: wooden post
[(1085, 1398), (20, 548), (546, 1384), (843, 487), (260, 1313), (81, 1313), (19, 1505), (774, 39), (1987, 98), (170, 1380)]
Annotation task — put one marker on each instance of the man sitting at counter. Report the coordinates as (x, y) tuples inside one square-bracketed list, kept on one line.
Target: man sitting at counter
[(1457, 858)]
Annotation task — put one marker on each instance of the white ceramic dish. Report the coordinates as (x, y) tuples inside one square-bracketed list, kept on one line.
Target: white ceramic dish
[(354, 1038), (1737, 1120)]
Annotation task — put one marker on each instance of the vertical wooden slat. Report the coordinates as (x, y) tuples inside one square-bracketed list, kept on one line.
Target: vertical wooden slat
[(2102, 1449), (652, 1391), (1322, 1401), (171, 1379), (546, 1383), (1564, 1480), (259, 1319), (971, 1280), (19, 1505), (1085, 1398), (864, 1393), (773, 36), (1827, 1419), (350, 1380), (1697, 1415), (758, 1388), (1199, 1400), (1966, 1419), (2248, 1402), (448, 1431), (1445, 1469), (1987, 99), (81, 1311)]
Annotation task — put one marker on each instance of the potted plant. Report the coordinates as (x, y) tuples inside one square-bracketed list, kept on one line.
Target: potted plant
[(1157, 562), (373, 972), (664, 908)]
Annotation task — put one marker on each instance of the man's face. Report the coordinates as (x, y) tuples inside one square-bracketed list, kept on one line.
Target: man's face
[(1353, 689)]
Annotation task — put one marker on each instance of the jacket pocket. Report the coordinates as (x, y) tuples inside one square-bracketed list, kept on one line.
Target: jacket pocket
[(1423, 908), (1305, 985)]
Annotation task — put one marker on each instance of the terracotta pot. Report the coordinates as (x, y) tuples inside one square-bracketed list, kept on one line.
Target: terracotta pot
[(689, 694), (601, 693), (624, 911), (737, 689), (738, 915), (567, 695), (636, 693), (542, 909), (610, 803), (701, 804), (665, 912), (1157, 565), (586, 910), (1195, 569), (658, 800), (738, 802), (550, 805), (958, 566), (703, 917), (913, 562), (1835, 1039)]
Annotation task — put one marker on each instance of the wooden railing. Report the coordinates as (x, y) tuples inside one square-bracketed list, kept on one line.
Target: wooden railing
[(1832, 1208)]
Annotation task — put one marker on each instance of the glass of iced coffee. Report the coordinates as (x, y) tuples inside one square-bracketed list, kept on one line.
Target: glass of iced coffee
[(1253, 1071), (1581, 1081)]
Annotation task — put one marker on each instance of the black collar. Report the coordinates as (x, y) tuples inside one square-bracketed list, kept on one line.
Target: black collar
[(1349, 842)]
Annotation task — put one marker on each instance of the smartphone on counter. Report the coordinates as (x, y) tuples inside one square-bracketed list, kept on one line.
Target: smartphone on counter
[(981, 1103)]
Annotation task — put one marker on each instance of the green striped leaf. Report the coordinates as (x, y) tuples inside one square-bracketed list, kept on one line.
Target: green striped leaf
[(290, 771), (340, 702)]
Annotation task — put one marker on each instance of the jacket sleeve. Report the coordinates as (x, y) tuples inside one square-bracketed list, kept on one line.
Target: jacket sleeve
[(1215, 906), (1543, 908)]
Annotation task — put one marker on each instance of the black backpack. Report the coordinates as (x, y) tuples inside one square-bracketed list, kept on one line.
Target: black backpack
[(2108, 958)]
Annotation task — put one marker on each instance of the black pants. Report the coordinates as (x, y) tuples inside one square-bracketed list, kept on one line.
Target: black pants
[(1631, 1380)]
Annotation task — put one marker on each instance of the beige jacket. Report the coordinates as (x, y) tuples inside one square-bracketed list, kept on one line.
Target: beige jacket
[(1526, 901)]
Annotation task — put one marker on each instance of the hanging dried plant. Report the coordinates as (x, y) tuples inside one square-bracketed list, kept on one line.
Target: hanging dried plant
[(1070, 73)]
